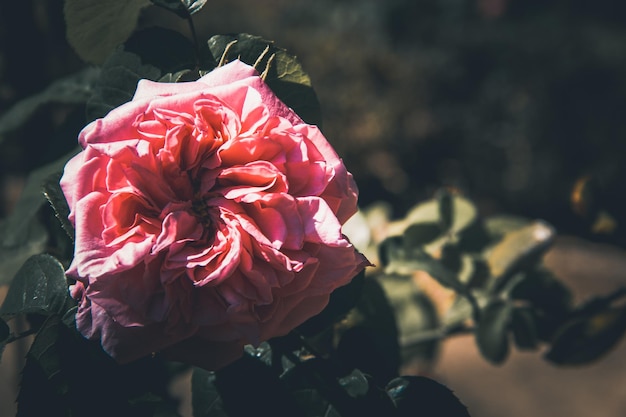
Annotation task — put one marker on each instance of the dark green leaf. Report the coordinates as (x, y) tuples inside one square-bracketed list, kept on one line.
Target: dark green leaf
[(492, 331), (588, 338), (248, 385), (54, 194), (420, 234), (76, 88), (205, 399), (369, 336), (149, 44), (422, 396), (446, 209), (5, 332), (183, 8), (118, 82), (59, 360), (524, 328), (281, 71), (39, 287), (542, 290), (518, 251), (341, 301)]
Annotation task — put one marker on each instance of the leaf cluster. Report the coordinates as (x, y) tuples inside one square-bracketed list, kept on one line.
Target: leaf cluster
[(504, 294)]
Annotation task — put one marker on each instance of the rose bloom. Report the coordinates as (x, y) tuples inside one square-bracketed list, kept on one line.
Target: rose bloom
[(208, 216)]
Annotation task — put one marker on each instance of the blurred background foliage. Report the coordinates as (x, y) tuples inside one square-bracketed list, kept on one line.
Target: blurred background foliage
[(518, 104)]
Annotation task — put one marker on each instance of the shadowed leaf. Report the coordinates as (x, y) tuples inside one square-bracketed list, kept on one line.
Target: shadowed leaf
[(424, 397), (492, 331), (38, 287), (96, 27), (524, 328), (588, 338), (183, 8), (205, 399), (282, 72)]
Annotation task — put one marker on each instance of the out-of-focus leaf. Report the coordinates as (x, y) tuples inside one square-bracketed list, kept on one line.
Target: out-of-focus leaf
[(519, 250), (446, 209), (498, 226), (283, 72), (32, 241), (524, 328), (358, 231), (422, 396), (205, 399), (588, 338), (118, 82), (463, 213), (420, 234), (542, 290), (14, 232), (96, 27), (404, 261), (340, 303), (76, 88), (183, 8), (492, 331), (39, 287), (414, 313), (5, 332)]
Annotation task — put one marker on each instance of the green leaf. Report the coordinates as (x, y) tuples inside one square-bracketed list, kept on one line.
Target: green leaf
[(54, 194), (39, 287), (149, 45), (524, 328), (419, 395), (518, 251), (205, 399), (446, 209), (420, 234), (96, 27), (492, 331), (183, 8), (588, 338), (76, 88), (282, 72), (118, 82), (5, 332), (340, 303), (368, 337), (542, 290), (248, 385), (460, 214)]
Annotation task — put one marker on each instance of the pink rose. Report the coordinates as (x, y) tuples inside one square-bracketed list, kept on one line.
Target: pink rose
[(208, 216)]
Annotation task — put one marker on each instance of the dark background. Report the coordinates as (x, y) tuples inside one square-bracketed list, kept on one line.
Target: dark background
[(509, 101)]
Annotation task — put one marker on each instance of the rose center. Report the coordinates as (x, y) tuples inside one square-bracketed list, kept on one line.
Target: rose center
[(200, 209)]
